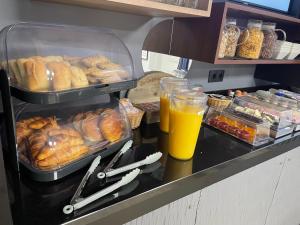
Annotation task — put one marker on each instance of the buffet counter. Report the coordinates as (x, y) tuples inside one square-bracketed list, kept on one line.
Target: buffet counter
[(217, 157)]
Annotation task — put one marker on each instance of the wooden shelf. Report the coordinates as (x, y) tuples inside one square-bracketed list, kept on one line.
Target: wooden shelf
[(143, 7), (255, 62), (199, 38)]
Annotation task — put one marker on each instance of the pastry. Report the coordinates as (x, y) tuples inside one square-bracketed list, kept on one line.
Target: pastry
[(13, 68), (62, 157), (94, 71), (61, 75), (116, 68), (37, 77), (90, 129), (110, 77), (24, 128), (111, 125), (76, 120), (57, 143), (79, 78), (22, 71), (53, 59), (94, 61)]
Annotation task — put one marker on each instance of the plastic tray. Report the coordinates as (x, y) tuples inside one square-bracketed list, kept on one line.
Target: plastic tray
[(46, 176), (70, 95)]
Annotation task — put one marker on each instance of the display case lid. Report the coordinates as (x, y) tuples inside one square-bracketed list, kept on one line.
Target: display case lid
[(49, 63)]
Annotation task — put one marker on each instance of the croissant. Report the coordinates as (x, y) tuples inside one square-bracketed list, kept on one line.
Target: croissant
[(66, 131), (57, 143), (111, 125), (63, 156)]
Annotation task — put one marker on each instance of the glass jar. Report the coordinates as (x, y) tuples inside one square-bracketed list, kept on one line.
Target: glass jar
[(270, 38), (251, 40), (187, 108), (223, 44), (233, 33), (167, 86)]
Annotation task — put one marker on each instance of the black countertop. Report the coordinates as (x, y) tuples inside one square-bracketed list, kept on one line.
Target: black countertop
[(217, 157)]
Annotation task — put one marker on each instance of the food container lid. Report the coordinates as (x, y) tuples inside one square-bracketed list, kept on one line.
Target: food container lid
[(255, 23), (49, 58), (169, 84), (231, 21)]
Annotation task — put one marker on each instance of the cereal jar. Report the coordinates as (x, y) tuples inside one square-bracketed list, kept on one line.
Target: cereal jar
[(251, 40)]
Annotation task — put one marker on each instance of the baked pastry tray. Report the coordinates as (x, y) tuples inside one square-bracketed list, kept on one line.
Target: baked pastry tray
[(46, 176), (53, 97), (65, 114)]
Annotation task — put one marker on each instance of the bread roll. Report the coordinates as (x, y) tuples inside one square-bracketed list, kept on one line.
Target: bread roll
[(94, 61), (111, 125), (53, 58), (95, 72), (90, 129), (22, 70), (116, 68), (37, 77), (13, 68), (61, 75), (79, 78)]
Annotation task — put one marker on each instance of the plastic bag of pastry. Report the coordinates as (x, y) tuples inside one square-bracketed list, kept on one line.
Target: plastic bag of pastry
[(134, 114), (50, 58)]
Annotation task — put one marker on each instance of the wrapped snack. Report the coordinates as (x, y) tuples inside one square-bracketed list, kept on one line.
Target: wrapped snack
[(134, 114)]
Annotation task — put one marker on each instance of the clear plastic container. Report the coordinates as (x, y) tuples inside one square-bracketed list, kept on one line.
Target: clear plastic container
[(277, 116), (281, 101), (42, 58), (249, 130), (51, 137), (233, 33), (187, 108), (167, 86), (251, 40)]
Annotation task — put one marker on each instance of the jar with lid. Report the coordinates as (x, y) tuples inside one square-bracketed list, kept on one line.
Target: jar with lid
[(270, 38), (233, 33), (251, 40), (223, 44)]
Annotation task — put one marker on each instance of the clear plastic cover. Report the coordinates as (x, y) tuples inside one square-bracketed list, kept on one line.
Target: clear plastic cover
[(280, 101), (277, 116), (52, 58), (248, 130), (51, 137)]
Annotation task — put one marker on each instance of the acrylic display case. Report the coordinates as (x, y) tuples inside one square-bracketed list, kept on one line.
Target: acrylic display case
[(250, 130), (280, 119), (284, 102), (53, 63), (59, 86)]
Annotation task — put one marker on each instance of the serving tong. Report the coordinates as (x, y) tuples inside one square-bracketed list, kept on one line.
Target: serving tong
[(78, 202)]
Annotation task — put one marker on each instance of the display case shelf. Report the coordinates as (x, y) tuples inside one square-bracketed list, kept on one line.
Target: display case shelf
[(143, 7)]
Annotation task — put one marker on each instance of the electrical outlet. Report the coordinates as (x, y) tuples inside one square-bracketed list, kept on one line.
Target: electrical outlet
[(215, 76)]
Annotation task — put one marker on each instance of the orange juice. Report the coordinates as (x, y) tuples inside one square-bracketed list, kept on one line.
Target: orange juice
[(184, 130), (167, 86), (186, 113), (164, 114)]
